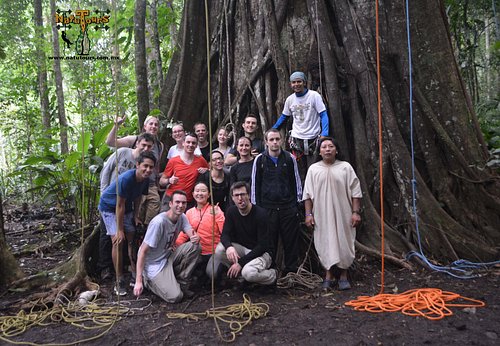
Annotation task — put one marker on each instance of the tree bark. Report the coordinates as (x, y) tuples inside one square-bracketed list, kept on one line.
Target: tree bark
[(458, 200), (42, 68), (189, 93), (141, 68), (9, 269), (61, 112), (154, 58)]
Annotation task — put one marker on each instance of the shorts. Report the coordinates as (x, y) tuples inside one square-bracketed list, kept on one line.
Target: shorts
[(110, 222), (303, 146)]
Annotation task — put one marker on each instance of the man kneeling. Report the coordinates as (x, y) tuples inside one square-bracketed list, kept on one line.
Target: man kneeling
[(245, 245), (162, 268)]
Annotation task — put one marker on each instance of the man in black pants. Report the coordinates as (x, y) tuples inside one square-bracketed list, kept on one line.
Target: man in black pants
[(276, 187)]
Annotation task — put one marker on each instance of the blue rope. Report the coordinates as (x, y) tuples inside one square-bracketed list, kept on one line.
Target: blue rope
[(462, 269)]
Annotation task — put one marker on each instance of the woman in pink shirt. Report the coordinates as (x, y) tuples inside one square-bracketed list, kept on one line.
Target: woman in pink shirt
[(201, 217)]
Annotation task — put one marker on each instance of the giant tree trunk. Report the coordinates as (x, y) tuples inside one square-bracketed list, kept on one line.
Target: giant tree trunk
[(42, 68), (61, 112), (141, 72), (458, 197)]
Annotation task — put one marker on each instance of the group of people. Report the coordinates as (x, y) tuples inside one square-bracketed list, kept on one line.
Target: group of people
[(224, 211)]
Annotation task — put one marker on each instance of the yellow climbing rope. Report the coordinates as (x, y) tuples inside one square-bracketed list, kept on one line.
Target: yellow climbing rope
[(88, 315), (237, 316)]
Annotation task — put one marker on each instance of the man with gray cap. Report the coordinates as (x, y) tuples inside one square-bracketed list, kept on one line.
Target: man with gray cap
[(310, 120)]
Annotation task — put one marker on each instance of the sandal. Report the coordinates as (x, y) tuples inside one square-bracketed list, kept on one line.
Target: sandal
[(327, 284), (344, 285)]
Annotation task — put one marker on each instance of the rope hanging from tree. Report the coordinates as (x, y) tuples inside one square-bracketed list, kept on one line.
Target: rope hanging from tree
[(117, 100), (431, 303), (319, 51), (461, 269), (237, 316)]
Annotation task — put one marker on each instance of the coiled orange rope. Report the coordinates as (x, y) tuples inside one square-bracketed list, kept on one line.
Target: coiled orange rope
[(431, 303)]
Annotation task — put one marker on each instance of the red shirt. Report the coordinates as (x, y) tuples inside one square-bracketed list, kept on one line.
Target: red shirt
[(187, 174)]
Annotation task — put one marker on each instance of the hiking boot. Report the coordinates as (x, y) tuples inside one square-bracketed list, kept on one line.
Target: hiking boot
[(120, 288), (272, 288), (186, 292)]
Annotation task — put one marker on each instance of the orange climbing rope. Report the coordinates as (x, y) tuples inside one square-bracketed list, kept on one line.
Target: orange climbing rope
[(431, 303)]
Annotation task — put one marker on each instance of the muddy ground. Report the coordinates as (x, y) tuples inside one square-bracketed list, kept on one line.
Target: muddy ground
[(40, 241)]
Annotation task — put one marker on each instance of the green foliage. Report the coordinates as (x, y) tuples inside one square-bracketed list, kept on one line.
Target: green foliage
[(472, 24), (489, 117), (169, 14), (71, 180), (31, 166)]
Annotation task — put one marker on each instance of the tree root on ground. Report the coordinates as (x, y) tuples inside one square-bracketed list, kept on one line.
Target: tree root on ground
[(68, 280), (377, 254)]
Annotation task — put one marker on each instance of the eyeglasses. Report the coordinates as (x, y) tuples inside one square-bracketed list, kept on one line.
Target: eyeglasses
[(238, 195), (217, 159)]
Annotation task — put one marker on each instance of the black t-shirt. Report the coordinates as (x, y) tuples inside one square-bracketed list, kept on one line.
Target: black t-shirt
[(250, 231), (220, 191), (205, 152), (241, 172)]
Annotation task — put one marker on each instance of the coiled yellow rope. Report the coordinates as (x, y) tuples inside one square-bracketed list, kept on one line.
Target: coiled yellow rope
[(95, 314), (237, 316)]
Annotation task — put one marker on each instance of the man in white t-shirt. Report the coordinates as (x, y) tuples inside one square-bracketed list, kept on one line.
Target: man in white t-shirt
[(179, 134), (310, 120), (161, 267)]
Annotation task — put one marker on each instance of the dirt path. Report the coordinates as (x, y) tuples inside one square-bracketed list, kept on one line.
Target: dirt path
[(295, 317)]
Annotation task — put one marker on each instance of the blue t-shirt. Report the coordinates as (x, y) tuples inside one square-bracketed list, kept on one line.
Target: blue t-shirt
[(128, 188)]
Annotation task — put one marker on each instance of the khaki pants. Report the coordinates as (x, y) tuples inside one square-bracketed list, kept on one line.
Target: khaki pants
[(257, 270), (167, 283), (150, 205)]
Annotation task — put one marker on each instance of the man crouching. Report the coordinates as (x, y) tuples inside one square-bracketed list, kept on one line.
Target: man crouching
[(245, 245), (162, 268)]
